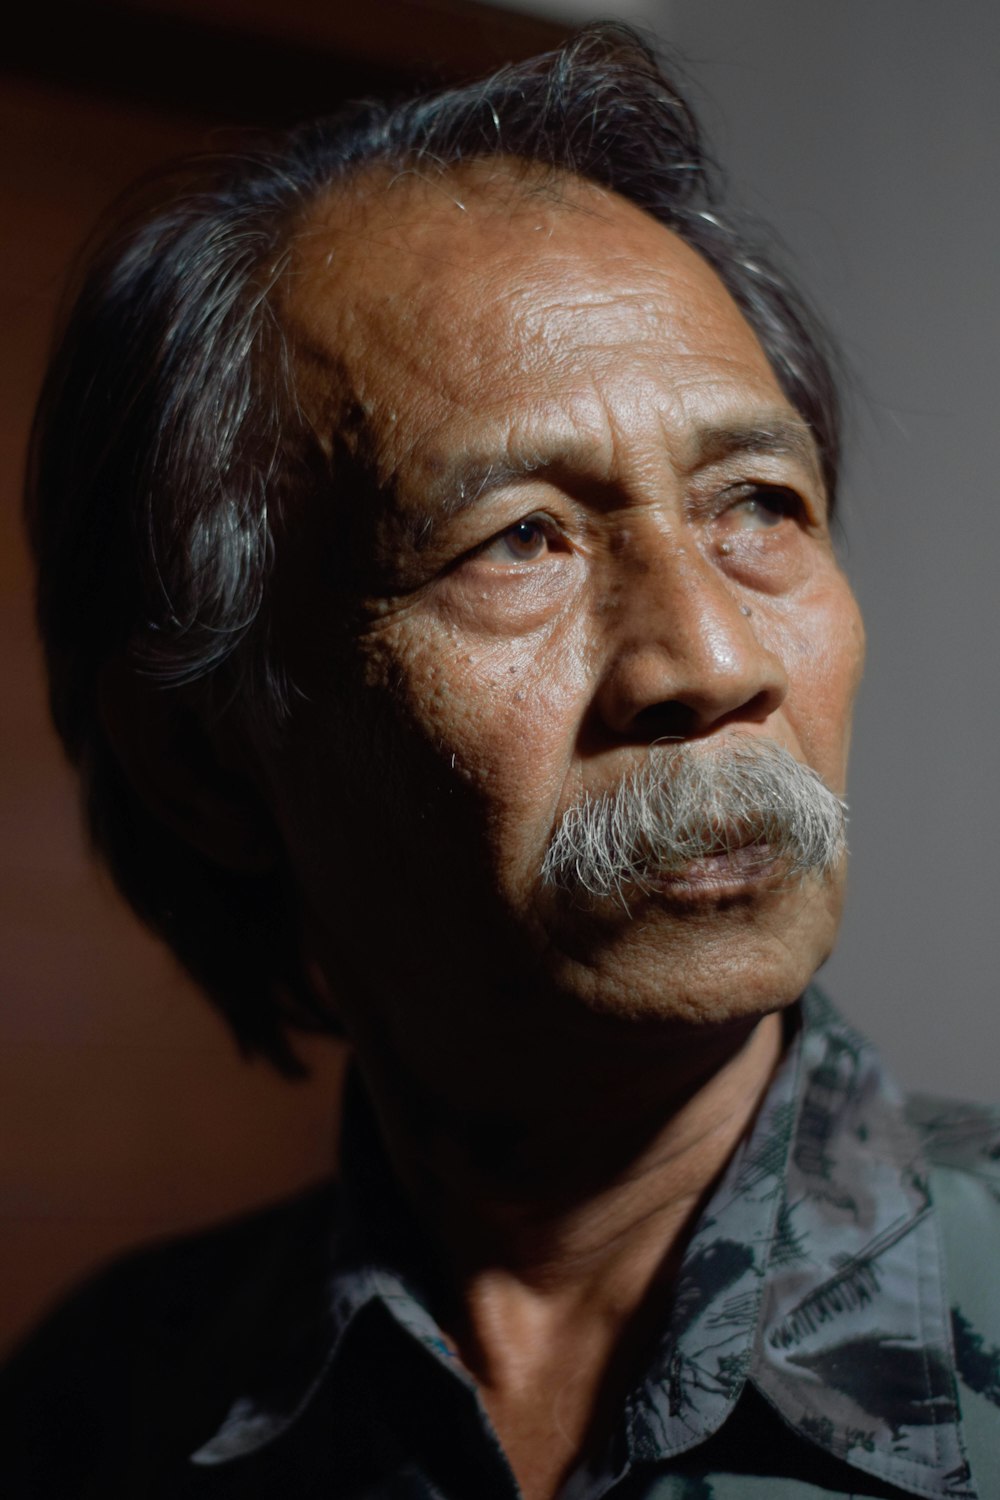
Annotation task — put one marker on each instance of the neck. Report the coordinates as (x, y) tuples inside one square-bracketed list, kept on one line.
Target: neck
[(527, 1146), (559, 1219)]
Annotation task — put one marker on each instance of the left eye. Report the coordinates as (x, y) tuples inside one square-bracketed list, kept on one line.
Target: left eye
[(525, 542), (765, 508)]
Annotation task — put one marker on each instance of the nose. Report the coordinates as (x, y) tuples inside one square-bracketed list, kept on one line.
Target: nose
[(684, 657)]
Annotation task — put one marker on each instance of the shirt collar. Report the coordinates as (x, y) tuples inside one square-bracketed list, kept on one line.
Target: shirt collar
[(854, 1342), (814, 1272), (373, 1264)]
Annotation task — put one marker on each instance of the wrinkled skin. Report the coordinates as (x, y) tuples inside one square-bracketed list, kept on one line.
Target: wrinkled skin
[(572, 513)]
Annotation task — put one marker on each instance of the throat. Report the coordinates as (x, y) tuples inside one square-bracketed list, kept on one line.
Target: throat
[(557, 1307), (560, 1193), (556, 1398), (556, 1245)]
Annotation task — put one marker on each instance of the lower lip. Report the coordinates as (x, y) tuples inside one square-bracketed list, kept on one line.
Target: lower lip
[(725, 874)]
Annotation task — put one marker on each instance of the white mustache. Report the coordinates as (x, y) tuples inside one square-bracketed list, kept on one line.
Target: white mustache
[(686, 802)]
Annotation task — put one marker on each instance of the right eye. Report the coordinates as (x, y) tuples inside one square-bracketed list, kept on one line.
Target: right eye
[(526, 541)]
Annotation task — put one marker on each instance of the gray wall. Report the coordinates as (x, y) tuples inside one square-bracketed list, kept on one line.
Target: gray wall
[(867, 131)]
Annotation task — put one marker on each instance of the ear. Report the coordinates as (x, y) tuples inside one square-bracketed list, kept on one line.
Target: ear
[(198, 783)]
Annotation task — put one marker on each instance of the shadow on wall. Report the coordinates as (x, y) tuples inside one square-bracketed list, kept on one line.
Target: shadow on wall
[(124, 1112)]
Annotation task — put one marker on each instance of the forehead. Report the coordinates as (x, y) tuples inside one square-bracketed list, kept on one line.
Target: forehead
[(491, 302)]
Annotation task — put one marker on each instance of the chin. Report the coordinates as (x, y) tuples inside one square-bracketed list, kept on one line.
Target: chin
[(700, 961)]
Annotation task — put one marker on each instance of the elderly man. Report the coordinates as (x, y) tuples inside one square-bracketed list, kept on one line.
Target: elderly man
[(433, 521)]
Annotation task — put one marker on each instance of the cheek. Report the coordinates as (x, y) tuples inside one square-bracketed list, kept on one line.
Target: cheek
[(821, 644), (498, 720), (513, 714)]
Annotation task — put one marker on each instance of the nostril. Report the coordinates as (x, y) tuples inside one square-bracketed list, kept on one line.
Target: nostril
[(675, 719), (671, 720)]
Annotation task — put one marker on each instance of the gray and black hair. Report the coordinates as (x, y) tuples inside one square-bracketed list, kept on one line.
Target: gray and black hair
[(168, 445)]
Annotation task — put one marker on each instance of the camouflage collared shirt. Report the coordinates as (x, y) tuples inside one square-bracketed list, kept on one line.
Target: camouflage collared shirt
[(835, 1329)]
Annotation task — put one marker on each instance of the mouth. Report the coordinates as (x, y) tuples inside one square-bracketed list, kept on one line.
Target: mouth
[(690, 827), (721, 873)]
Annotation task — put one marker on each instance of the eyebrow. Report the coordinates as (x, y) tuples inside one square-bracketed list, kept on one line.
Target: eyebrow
[(460, 485), (784, 437), (463, 484)]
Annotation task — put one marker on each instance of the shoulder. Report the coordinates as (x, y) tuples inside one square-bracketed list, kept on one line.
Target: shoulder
[(134, 1369), (961, 1151), (958, 1135)]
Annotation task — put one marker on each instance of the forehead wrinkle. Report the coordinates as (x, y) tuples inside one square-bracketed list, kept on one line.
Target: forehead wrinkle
[(373, 212), (349, 399), (394, 405)]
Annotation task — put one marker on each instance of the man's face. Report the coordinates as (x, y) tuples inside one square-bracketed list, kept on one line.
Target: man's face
[(589, 520)]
